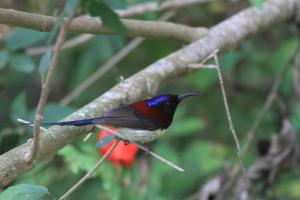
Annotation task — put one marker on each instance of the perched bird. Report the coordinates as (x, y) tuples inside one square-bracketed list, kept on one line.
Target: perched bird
[(142, 121)]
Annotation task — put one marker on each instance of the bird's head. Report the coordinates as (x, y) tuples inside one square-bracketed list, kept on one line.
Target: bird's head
[(163, 107), (168, 102)]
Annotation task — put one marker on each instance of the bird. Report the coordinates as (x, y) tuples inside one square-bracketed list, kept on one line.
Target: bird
[(142, 121)]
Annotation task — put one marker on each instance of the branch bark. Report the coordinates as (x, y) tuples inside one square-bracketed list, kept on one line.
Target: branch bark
[(94, 25), (227, 34)]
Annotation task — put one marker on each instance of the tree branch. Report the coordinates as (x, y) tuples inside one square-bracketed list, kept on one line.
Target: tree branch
[(228, 33), (94, 25), (130, 11)]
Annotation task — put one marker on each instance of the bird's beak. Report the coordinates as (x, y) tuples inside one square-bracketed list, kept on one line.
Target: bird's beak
[(182, 96)]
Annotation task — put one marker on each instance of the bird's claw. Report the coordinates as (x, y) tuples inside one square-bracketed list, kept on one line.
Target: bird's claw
[(126, 142)]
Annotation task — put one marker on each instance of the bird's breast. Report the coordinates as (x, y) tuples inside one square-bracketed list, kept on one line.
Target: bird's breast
[(140, 136)]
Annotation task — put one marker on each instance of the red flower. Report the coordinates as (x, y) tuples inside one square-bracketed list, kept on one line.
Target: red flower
[(122, 154)]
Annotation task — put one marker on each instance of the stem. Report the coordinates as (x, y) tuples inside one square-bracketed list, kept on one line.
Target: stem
[(45, 93), (231, 127)]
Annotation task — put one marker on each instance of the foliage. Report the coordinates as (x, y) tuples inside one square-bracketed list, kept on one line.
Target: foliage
[(109, 18), (199, 139), (25, 192)]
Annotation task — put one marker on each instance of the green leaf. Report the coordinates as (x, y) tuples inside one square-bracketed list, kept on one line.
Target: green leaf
[(22, 63), (105, 141), (3, 58), (24, 192), (257, 3), (22, 38), (109, 18), (18, 109), (45, 62)]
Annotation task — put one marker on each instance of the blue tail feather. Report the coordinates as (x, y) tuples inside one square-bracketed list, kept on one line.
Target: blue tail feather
[(83, 122)]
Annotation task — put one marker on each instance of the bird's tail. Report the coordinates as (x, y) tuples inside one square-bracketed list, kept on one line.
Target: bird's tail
[(83, 122)]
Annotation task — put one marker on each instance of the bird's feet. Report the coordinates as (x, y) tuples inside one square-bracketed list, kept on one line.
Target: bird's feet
[(126, 142)]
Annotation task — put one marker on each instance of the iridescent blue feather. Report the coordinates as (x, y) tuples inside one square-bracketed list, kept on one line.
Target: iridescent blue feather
[(83, 122), (157, 100)]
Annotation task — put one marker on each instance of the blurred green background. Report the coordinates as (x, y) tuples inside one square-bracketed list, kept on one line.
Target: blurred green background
[(199, 139)]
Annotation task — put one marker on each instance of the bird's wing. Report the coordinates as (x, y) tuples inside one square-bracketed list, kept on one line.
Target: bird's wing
[(127, 117)]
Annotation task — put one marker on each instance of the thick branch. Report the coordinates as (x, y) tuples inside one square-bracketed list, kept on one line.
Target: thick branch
[(93, 25), (129, 12), (228, 33)]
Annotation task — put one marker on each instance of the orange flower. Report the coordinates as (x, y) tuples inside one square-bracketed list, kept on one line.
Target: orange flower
[(122, 154)]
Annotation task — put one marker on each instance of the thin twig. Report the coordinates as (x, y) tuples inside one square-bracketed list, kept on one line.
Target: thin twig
[(90, 173), (231, 127), (45, 92), (143, 148), (269, 101), (108, 65), (252, 131), (76, 41), (202, 63)]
